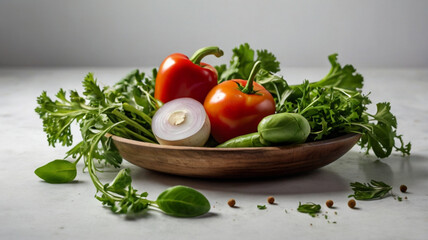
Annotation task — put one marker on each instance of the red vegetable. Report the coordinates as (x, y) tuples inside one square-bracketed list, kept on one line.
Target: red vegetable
[(179, 76), (236, 107)]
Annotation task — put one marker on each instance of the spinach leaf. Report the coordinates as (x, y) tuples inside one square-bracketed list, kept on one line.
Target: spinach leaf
[(181, 201), (57, 171)]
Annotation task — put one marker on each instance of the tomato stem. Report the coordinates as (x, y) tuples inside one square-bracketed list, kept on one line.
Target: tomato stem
[(248, 89), (201, 53)]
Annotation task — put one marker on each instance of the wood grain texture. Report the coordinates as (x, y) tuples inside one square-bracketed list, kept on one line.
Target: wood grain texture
[(225, 163)]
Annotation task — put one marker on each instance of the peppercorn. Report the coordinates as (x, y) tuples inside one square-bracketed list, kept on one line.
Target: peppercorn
[(329, 203), (403, 188), (231, 202), (271, 200), (352, 203)]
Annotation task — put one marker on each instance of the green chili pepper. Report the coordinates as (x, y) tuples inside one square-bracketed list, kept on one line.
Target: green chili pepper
[(284, 128), (248, 140)]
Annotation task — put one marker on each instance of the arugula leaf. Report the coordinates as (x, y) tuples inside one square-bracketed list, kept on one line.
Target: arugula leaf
[(368, 191), (346, 77)]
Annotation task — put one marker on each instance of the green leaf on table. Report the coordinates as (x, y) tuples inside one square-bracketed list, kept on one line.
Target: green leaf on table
[(261, 207), (309, 208), (369, 191), (181, 201), (57, 171)]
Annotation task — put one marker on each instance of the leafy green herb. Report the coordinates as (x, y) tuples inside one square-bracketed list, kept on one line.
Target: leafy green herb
[(129, 100), (261, 207), (334, 105), (57, 171), (309, 208), (368, 191), (125, 110), (243, 59), (181, 201)]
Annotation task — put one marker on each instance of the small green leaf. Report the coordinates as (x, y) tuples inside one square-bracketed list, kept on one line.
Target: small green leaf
[(57, 171), (181, 201), (368, 191), (309, 208), (261, 207), (120, 182)]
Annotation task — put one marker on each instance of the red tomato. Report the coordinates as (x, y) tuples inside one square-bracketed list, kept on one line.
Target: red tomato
[(234, 113)]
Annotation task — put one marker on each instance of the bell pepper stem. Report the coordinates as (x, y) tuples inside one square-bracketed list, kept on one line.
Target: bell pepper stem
[(248, 89), (201, 53)]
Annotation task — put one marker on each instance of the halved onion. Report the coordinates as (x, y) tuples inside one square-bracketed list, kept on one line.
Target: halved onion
[(181, 122)]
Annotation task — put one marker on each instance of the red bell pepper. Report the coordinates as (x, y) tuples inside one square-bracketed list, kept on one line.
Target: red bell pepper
[(235, 107), (178, 76)]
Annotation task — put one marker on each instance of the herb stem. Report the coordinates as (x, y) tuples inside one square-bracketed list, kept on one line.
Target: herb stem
[(132, 109), (90, 162), (138, 136), (310, 105), (133, 123)]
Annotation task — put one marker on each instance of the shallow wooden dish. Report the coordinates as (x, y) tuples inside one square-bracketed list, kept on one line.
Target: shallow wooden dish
[(234, 162)]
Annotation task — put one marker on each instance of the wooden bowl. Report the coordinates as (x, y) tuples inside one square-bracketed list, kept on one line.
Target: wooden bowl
[(225, 163)]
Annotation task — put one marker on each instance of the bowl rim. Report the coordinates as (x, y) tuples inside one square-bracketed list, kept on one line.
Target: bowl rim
[(238, 149)]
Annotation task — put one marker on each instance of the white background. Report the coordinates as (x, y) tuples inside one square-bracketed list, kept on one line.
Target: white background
[(107, 33)]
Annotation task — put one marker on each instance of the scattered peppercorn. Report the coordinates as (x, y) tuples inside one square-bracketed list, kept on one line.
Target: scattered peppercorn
[(352, 203), (271, 200), (231, 202), (403, 188), (405, 197), (329, 203)]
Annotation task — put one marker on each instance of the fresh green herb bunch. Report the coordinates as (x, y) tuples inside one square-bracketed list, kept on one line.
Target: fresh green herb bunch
[(125, 110), (334, 106), (130, 100)]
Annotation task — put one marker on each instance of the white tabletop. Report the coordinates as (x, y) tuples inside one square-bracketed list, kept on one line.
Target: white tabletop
[(33, 209)]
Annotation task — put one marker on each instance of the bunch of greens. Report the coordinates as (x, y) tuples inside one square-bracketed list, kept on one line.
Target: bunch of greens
[(334, 105), (125, 110)]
